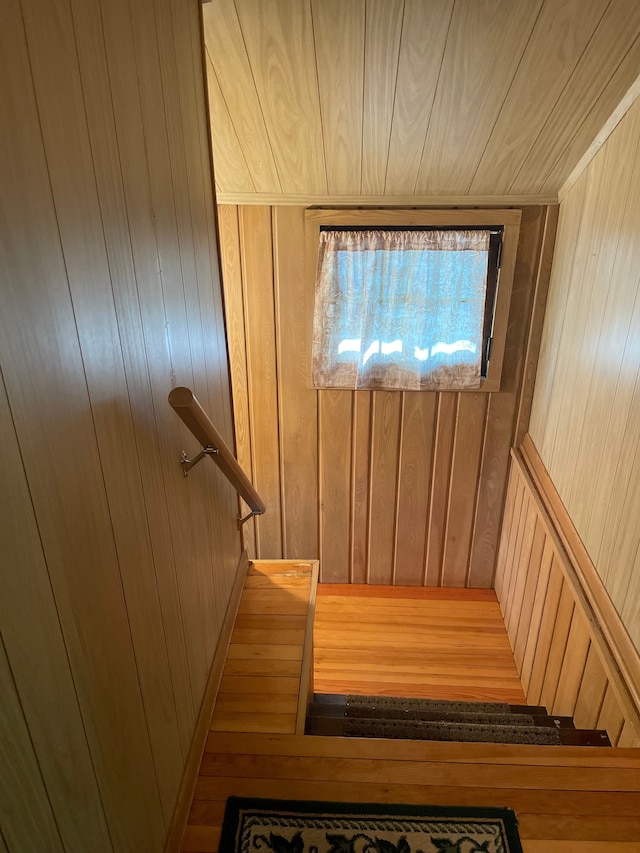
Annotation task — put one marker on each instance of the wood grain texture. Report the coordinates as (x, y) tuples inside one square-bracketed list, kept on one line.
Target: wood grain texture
[(124, 570), (561, 33), (563, 650), (338, 36), (383, 29), (229, 161), (285, 77), (329, 99), (297, 402), (260, 336), (260, 689), (378, 481), (452, 149), (235, 77), (416, 81), (445, 643), (21, 782), (565, 797), (585, 410)]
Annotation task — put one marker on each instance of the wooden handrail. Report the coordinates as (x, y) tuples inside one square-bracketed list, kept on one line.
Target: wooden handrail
[(183, 401)]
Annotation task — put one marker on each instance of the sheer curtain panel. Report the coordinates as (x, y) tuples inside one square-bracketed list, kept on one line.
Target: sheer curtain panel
[(400, 310)]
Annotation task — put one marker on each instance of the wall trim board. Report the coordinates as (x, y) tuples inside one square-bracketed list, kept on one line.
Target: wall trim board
[(305, 200), (539, 304), (617, 652), (192, 764), (627, 101)]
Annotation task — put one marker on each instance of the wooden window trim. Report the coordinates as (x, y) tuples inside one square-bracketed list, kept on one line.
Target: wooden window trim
[(458, 218)]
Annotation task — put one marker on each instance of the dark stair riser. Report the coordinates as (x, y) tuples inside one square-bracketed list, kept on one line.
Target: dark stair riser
[(341, 700), (337, 727), (514, 719)]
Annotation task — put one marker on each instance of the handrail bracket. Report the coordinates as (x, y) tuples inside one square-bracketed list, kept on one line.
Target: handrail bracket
[(187, 464), (246, 518)]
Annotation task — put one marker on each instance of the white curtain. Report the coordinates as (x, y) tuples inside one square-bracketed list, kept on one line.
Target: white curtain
[(400, 309)]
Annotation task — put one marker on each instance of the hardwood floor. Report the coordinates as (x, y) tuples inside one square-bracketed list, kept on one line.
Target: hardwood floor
[(569, 799), (413, 641)]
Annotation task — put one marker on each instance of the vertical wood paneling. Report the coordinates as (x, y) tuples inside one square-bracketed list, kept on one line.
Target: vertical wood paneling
[(120, 568), (537, 611), (611, 55), (45, 686), (334, 463), (557, 41), (230, 256), (507, 98), (338, 30), (230, 163), (417, 78), (591, 692), (611, 717), (414, 479), (423, 475), (465, 466), (573, 667), (524, 612), (297, 402), (586, 404), (441, 476), (360, 438), (383, 28), (257, 264), (239, 91), (33, 827), (564, 658), (452, 150), (383, 485), (286, 80)]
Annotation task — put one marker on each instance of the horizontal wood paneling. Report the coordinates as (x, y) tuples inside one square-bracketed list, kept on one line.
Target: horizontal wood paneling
[(507, 99), (116, 571), (563, 657), (586, 407), (385, 487), (266, 649), (567, 798), (402, 641)]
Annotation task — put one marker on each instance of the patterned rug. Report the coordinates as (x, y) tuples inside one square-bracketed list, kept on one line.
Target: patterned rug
[(286, 826)]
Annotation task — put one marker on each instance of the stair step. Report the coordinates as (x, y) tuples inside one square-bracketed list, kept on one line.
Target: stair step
[(444, 731), (510, 719), (357, 701)]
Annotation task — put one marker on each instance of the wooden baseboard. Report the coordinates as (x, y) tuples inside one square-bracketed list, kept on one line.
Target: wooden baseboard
[(190, 774), (618, 652)]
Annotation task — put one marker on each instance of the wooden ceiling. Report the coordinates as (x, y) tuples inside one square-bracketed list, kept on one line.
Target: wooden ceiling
[(315, 100)]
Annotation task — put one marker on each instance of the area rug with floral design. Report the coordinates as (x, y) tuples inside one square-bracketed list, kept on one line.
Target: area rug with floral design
[(288, 826)]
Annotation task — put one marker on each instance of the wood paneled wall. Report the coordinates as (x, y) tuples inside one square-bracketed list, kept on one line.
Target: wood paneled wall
[(115, 570), (383, 487), (586, 414), (563, 658), (505, 101)]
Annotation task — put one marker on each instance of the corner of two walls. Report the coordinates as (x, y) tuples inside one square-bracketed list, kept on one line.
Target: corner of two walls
[(585, 435), (384, 487)]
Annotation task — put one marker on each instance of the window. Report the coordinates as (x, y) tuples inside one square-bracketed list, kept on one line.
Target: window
[(410, 305)]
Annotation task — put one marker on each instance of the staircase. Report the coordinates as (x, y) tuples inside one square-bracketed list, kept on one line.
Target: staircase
[(437, 720)]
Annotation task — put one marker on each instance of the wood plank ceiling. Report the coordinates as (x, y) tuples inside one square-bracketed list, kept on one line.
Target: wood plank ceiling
[(314, 100)]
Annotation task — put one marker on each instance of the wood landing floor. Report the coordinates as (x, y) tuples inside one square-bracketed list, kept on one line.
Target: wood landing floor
[(568, 799), (413, 641)]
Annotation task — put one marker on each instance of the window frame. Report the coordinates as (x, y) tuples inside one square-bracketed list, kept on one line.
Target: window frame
[(509, 220)]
